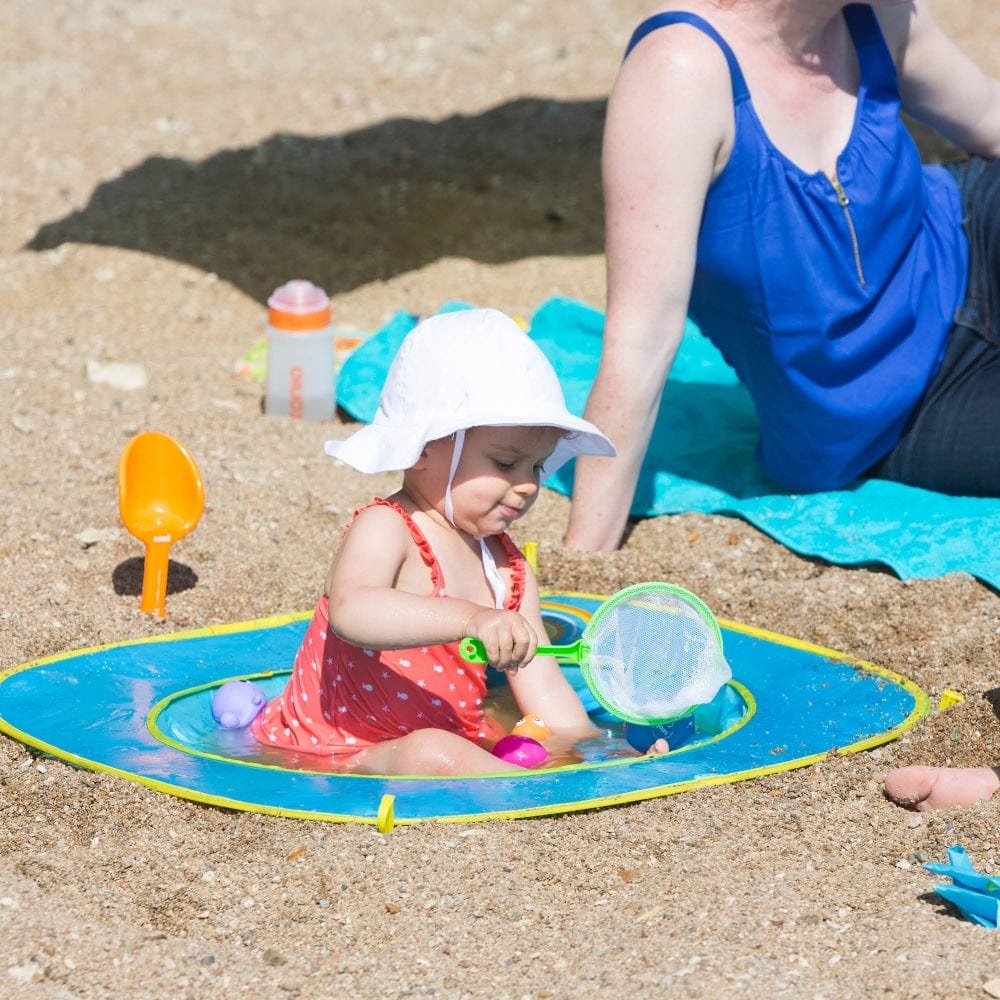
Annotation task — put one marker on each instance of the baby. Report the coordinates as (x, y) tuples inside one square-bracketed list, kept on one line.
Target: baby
[(474, 416)]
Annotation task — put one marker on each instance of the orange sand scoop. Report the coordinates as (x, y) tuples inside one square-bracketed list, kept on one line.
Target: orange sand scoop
[(160, 499)]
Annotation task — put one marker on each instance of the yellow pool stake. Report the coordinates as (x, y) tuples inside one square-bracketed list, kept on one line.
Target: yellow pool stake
[(530, 550), (160, 498), (386, 820), (949, 698)]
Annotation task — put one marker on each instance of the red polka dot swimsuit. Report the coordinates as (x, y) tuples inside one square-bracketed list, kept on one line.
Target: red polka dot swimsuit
[(342, 698)]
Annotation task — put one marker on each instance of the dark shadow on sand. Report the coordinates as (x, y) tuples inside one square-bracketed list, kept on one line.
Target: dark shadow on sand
[(126, 577), (518, 180), (993, 698)]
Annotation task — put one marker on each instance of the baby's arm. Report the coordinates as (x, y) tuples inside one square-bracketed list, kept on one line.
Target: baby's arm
[(541, 689), (376, 593)]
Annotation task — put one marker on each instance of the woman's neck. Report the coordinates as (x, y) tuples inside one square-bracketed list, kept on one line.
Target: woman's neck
[(798, 31), (801, 69)]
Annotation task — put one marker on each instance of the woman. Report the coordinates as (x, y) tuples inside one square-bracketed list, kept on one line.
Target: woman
[(759, 178)]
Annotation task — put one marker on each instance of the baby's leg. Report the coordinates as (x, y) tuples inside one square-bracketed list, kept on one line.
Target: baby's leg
[(926, 788), (428, 751)]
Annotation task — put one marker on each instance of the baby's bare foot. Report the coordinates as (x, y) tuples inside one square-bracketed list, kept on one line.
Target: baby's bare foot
[(926, 788)]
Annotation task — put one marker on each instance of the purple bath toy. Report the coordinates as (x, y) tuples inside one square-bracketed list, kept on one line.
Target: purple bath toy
[(520, 750), (237, 703)]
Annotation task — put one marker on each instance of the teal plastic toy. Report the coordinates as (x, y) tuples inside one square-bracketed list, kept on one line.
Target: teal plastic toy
[(977, 896)]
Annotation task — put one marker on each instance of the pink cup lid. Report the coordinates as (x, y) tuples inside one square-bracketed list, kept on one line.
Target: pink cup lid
[(299, 305), (298, 297)]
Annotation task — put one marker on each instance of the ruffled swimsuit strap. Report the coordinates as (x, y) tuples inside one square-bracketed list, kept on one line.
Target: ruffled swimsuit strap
[(740, 90), (518, 572), (426, 552), (515, 557)]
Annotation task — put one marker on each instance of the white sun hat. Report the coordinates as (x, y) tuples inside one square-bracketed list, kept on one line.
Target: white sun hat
[(462, 369)]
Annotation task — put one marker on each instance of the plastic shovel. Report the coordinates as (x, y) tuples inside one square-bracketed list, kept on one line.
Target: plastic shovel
[(160, 499)]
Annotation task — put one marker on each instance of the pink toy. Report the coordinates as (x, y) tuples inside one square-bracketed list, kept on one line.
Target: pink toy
[(237, 703), (521, 750)]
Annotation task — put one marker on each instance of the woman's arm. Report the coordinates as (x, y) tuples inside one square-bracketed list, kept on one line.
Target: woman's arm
[(939, 84), (668, 130)]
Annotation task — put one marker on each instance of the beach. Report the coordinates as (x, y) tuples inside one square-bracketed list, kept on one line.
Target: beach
[(167, 166)]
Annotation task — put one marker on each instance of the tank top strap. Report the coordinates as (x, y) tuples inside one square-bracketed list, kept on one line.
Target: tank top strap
[(740, 91), (874, 57), (426, 552)]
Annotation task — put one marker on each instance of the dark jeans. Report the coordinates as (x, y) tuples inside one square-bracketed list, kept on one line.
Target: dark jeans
[(952, 440)]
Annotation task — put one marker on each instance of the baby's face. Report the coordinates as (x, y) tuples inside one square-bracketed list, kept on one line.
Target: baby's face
[(499, 473), (515, 453)]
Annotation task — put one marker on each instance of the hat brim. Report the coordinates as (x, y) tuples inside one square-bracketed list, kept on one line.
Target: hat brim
[(382, 447)]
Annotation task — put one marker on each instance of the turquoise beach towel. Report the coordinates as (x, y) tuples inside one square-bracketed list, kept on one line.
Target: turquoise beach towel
[(702, 459)]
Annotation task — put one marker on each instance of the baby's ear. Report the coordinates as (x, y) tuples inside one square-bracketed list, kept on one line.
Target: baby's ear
[(429, 450)]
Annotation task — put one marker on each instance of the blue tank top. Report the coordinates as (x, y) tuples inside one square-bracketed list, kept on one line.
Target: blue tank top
[(833, 307)]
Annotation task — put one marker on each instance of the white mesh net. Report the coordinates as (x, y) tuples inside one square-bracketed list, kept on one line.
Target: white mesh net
[(654, 652)]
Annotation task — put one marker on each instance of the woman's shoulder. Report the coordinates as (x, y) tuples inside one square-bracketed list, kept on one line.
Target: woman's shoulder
[(678, 63), (894, 23), (679, 77), (912, 35), (675, 30)]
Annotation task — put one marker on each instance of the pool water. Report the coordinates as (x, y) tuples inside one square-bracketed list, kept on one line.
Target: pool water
[(185, 720)]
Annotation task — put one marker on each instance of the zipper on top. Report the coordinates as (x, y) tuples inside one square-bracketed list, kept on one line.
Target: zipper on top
[(845, 204)]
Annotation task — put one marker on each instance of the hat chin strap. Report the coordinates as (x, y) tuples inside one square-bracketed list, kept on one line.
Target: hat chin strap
[(489, 563)]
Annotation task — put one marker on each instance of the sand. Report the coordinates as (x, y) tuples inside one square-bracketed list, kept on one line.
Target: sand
[(168, 164)]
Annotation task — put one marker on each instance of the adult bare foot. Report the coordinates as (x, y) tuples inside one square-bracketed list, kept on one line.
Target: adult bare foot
[(925, 788)]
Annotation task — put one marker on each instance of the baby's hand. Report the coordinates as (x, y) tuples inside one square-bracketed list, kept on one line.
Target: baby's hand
[(510, 642)]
